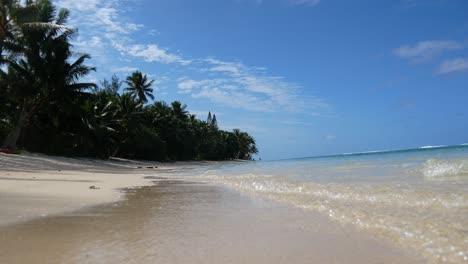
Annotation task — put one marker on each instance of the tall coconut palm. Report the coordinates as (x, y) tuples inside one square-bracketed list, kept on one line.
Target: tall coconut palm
[(139, 86), (7, 10), (179, 110), (45, 67), (15, 16)]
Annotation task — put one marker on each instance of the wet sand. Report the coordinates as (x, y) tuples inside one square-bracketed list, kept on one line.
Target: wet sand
[(35, 185), (183, 222)]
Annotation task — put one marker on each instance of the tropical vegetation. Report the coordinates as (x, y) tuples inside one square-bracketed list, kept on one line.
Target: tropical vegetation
[(45, 107)]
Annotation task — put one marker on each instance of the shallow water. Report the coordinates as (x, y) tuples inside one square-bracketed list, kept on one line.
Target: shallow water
[(392, 207), (416, 198), (182, 222)]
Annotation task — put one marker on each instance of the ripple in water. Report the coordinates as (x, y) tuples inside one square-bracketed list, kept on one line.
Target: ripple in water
[(418, 199)]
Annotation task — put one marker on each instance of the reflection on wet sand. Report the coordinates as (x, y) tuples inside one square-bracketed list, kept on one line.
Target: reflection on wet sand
[(182, 222)]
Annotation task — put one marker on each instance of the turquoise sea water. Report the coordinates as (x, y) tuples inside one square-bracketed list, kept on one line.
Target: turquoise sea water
[(417, 198)]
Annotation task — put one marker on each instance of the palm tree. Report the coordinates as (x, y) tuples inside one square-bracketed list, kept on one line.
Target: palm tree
[(179, 110), (48, 77), (139, 86), (130, 113), (101, 121), (43, 102), (7, 10), (16, 17), (246, 146)]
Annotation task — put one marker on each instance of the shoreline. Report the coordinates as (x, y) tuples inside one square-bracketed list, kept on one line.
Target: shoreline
[(36, 185), (46, 202), (177, 221)]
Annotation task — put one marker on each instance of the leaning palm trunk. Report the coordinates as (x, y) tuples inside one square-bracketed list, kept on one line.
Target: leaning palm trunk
[(12, 138)]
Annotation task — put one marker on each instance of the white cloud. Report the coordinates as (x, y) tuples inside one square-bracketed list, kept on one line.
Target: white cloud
[(304, 2), (425, 50), (235, 99), (150, 53), (225, 68), (124, 69), (105, 20), (108, 33), (250, 88), (82, 5), (134, 27), (187, 85), (99, 14), (455, 65), (94, 42)]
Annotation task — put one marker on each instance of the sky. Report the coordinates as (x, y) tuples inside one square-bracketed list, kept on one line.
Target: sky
[(304, 77)]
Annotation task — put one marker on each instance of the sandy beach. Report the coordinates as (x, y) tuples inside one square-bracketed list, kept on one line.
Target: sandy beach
[(48, 209), (286, 131), (35, 185)]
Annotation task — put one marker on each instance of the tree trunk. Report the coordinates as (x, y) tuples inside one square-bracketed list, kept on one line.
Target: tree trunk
[(116, 150), (12, 138)]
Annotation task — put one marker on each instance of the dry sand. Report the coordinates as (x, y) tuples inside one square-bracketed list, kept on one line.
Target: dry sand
[(36, 185)]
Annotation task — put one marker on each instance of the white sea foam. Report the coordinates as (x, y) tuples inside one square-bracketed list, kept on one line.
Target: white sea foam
[(399, 150), (417, 198), (432, 147), (366, 152), (434, 168), (424, 206), (394, 211)]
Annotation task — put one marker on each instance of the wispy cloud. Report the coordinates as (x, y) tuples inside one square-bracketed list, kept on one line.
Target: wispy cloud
[(124, 69), (304, 2), (100, 14), (150, 53), (452, 66), (426, 50), (106, 24), (330, 137), (186, 85), (108, 33), (406, 103), (94, 42), (249, 88)]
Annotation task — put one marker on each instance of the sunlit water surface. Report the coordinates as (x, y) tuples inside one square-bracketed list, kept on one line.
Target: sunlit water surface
[(417, 198), (186, 222)]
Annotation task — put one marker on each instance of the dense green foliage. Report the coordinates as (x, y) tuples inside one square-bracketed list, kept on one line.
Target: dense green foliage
[(44, 107)]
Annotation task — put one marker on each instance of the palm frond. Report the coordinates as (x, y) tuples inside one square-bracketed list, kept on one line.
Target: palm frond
[(80, 60), (79, 71), (150, 95), (41, 26), (62, 16)]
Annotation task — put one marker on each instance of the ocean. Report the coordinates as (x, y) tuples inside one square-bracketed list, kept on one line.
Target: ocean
[(415, 198)]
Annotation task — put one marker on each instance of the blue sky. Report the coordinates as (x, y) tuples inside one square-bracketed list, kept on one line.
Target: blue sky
[(304, 77)]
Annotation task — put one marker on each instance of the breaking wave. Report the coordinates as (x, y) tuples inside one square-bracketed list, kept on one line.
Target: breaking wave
[(434, 168), (425, 207)]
